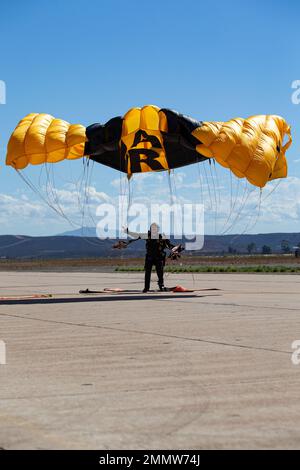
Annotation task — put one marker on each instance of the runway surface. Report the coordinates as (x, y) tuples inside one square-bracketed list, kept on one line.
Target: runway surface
[(210, 369)]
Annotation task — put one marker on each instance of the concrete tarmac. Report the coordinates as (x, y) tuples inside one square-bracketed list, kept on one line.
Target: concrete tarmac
[(212, 370)]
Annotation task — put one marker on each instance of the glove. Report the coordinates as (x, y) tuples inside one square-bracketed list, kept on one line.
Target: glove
[(121, 244), (174, 256)]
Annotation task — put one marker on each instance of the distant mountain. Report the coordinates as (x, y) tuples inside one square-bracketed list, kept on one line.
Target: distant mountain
[(73, 246), (83, 232), (54, 247), (80, 232)]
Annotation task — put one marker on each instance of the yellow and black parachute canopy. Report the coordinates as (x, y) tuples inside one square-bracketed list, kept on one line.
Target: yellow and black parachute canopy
[(157, 139)]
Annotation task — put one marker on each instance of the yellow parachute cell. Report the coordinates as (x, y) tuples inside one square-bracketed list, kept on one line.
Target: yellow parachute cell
[(40, 138), (252, 148)]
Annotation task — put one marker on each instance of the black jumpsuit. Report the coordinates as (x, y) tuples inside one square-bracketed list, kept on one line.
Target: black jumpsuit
[(156, 256)]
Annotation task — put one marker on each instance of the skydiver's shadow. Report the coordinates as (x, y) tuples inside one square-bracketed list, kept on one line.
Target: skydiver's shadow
[(100, 298)]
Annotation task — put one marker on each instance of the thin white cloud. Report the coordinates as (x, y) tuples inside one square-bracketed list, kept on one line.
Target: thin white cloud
[(227, 209)]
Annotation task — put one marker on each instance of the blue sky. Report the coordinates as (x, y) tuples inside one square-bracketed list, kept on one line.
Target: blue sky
[(87, 61)]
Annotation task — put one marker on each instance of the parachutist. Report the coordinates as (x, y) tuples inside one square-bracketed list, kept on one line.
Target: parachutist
[(156, 245)]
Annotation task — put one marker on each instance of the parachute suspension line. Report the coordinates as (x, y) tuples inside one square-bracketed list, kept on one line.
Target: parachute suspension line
[(51, 190), (217, 181), (176, 201), (32, 186), (37, 191), (219, 187), (245, 197), (175, 185), (47, 197), (236, 216), (257, 215), (40, 176), (86, 203), (124, 197), (88, 192), (75, 185), (120, 194), (123, 194), (48, 188), (215, 196), (85, 197), (213, 183), (81, 194), (170, 187), (272, 190), (231, 192), (208, 187), (85, 189), (87, 200), (129, 198), (82, 182), (239, 216), (236, 197), (131, 190), (200, 182), (51, 187), (171, 191), (233, 202), (57, 200), (257, 210)]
